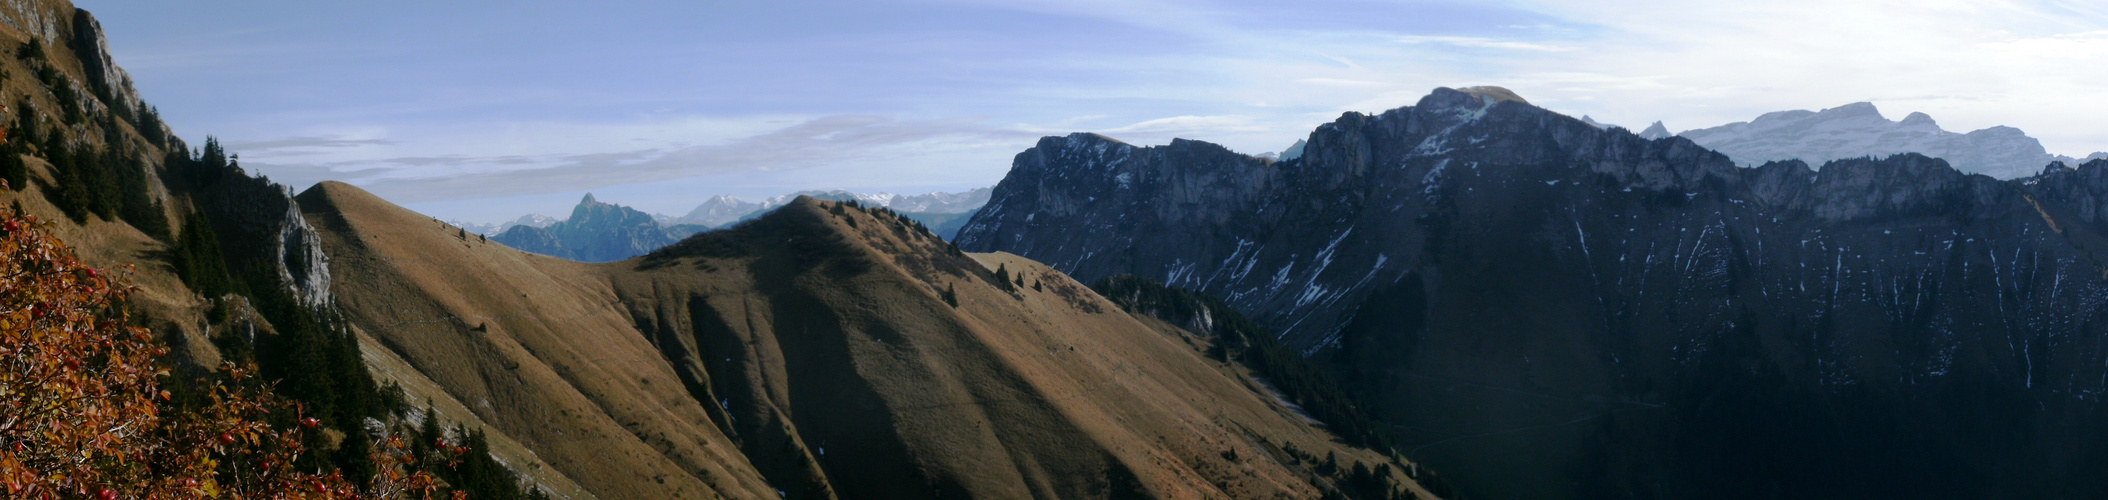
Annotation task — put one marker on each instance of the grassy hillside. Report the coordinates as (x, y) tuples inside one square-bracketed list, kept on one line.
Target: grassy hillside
[(533, 345), (224, 271), (813, 351), (810, 353)]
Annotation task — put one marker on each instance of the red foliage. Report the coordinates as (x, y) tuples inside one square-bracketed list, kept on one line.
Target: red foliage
[(82, 414)]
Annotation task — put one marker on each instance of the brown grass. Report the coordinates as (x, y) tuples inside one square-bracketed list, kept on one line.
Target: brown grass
[(813, 351)]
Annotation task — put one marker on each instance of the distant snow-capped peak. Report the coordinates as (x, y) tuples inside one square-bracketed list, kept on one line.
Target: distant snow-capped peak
[(534, 220)]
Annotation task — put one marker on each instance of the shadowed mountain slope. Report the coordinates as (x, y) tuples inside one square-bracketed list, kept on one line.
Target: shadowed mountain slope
[(533, 345), (815, 351), (1545, 308)]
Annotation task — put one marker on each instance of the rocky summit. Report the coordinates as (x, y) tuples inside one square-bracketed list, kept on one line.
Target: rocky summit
[(1543, 308)]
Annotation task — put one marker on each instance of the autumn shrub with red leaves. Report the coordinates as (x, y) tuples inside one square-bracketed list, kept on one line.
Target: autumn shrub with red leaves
[(83, 414)]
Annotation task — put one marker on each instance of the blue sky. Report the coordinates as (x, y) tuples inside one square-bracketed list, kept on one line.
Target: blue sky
[(483, 111)]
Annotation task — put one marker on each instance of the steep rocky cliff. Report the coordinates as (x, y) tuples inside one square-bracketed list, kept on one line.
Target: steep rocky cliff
[(1544, 308)]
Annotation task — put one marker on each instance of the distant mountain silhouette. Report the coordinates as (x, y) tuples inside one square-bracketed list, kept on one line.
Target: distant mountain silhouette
[(596, 232), (1858, 130)]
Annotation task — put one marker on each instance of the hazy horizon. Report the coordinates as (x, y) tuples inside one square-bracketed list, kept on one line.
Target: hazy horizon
[(468, 112)]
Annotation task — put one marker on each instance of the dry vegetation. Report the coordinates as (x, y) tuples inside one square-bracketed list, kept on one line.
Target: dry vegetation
[(814, 351), (86, 411)]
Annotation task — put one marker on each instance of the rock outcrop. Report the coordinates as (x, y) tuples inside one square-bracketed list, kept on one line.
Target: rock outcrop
[(254, 209), (107, 80)]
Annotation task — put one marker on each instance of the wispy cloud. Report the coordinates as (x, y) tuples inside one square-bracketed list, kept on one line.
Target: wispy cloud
[(808, 144), (1486, 43), (1340, 82), (1189, 125), (771, 97), (305, 142)]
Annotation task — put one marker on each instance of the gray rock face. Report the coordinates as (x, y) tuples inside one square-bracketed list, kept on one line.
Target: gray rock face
[(1858, 130), (302, 264), (104, 77), (38, 19), (1547, 309)]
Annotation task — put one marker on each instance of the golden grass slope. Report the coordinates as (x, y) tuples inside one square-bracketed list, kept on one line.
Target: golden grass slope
[(813, 347), (536, 347), (838, 334)]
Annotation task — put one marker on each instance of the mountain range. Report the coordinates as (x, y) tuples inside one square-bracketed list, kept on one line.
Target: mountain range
[(605, 232), (723, 210), (1546, 308), (529, 220), (1471, 296), (820, 350), (596, 232), (1858, 130)]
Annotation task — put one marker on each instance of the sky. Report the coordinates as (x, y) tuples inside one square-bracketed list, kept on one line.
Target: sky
[(484, 111)]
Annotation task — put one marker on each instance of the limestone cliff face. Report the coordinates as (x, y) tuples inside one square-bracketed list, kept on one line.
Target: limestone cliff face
[(1548, 307), (104, 77), (58, 25), (301, 262), (44, 19)]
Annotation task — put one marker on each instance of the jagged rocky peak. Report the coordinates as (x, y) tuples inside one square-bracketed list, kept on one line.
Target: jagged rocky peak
[(596, 232), (1656, 131), (1294, 150), (1096, 207)]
